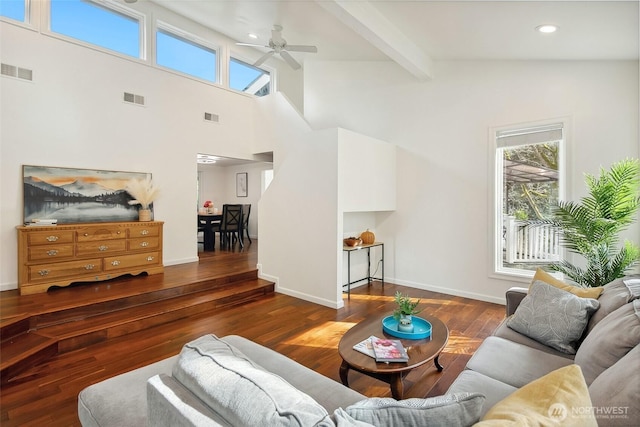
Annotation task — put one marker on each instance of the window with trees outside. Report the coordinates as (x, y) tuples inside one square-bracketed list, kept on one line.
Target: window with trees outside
[(528, 184), (249, 79)]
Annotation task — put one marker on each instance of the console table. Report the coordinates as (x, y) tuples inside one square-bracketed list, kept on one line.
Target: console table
[(349, 250), (62, 254)]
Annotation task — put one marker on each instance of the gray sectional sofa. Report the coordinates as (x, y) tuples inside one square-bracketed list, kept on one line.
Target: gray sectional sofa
[(234, 381)]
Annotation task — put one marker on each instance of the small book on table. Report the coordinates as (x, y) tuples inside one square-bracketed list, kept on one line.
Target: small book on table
[(387, 350)]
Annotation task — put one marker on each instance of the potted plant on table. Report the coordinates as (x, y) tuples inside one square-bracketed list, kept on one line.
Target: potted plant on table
[(406, 308)]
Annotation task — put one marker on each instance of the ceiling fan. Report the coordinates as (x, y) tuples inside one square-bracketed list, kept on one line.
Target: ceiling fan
[(279, 45)]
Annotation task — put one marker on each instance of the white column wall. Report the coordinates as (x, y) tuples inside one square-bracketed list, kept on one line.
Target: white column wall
[(438, 237)]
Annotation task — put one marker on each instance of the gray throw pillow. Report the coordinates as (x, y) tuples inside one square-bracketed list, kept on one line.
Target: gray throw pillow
[(451, 410), (239, 390), (553, 317)]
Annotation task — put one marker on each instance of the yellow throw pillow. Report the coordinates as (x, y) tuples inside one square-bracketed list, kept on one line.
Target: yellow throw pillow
[(559, 398), (545, 277)]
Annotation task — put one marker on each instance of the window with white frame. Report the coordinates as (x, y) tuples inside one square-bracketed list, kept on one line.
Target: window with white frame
[(102, 23), (529, 181), (248, 78), (14, 9), (185, 53)]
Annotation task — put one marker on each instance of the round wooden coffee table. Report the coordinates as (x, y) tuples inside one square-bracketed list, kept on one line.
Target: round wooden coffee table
[(420, 352)]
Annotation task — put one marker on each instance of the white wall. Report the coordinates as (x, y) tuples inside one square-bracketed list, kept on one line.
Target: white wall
[(72, 115), (438, 237)]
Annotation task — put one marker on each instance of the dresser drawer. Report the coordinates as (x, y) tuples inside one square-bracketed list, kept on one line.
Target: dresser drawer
[(52, 252), (128, 261), (51, 237), (144, 243), (49, 272), (143, 231), (104, 247), (108, 232)]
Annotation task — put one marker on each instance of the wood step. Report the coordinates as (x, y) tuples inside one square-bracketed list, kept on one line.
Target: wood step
[(30, 340), (98, 328), (24, 351), (79, 312)]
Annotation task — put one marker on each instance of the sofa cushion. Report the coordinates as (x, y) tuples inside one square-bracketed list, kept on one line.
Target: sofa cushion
[(474, 382), (170, 404), (222, 377), (121, 400), (327, 392), (615, 295), (549, 400), (512, 363), (615, 393), (461, 409), (609, 341), (547, 278), (552, 316)]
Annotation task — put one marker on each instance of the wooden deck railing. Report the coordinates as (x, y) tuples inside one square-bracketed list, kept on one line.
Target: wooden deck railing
[(530, 244)]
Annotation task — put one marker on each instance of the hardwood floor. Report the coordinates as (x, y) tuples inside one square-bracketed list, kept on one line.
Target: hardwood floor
[(46, 394)]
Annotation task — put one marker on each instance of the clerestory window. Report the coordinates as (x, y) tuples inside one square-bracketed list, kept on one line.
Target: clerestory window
[(182, 52), (529, 181), (248, 79), (101, 23), (14, 9)]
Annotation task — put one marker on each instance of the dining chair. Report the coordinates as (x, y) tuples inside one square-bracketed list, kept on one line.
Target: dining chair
[(246, 211), (231, 225)]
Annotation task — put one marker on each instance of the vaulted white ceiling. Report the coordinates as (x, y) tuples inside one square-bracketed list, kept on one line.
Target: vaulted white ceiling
[(417, 32)]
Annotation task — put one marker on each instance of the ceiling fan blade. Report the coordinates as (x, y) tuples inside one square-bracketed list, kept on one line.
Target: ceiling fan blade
[(301, 48), (250, 44), (289, 59), (263, 58)]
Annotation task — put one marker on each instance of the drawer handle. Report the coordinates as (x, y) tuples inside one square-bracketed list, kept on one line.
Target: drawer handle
[(149, 258), (144, 232), (86, 234), (116, 262), (89, 267), (103, 248), (144, 244), (43, 272), (52, 238), (52, 252)]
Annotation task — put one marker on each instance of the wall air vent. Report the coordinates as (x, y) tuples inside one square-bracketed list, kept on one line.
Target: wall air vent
[(17, 72), (210, 117), (132, 98)]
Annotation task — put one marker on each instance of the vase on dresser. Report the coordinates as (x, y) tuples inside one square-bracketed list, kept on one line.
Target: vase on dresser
[(144, 215)]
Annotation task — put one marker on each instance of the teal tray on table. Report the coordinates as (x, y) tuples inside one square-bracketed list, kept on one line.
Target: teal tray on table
[(421, 328)]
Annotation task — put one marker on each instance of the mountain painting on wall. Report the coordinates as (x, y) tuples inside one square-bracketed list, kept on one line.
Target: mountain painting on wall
[(71, 195)]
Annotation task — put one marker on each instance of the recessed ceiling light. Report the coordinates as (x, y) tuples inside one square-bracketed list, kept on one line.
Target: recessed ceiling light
[(547, 28), (252, 36)]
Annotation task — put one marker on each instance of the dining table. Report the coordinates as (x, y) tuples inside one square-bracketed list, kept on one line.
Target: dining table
[(208, 221)]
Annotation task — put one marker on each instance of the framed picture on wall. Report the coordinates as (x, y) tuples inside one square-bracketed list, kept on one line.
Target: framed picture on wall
[(72, 195), (241, 184)]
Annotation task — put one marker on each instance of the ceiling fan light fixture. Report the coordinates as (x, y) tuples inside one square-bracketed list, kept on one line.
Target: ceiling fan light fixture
[(547, 28)]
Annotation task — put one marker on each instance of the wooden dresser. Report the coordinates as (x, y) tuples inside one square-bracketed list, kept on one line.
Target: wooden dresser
[(63, 254)]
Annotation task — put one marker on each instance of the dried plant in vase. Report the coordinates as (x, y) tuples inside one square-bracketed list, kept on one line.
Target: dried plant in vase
[(144, 193)]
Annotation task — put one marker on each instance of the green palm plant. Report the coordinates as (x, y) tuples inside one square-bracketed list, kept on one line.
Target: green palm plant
[(592, 227)]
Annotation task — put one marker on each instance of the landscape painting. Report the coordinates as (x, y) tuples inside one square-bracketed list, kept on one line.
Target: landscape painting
[(71, 195)]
